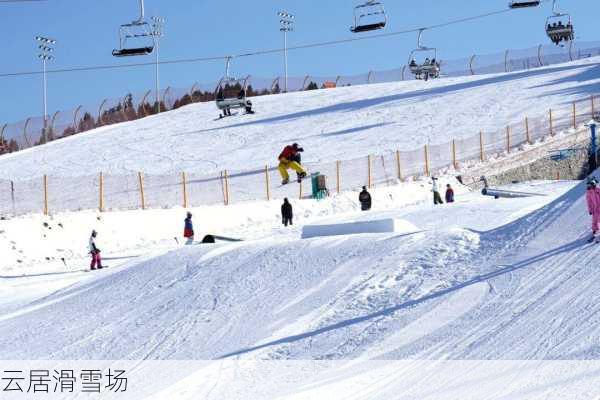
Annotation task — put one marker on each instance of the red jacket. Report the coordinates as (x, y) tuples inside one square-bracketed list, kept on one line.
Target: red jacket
[(288, 153)]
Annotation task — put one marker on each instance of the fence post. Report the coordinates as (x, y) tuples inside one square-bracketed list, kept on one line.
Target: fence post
[(426, 160), (551, 127), (508, 138), (481, 147), (12, 197), (226, 188), (45, 195), (527, 130), (593, 111), (574, 116), (399, 165), (222, 176), (142, 197), (337, 172), (267, 182), (454, 164), (185, 194), (101, 205), (369, 170)]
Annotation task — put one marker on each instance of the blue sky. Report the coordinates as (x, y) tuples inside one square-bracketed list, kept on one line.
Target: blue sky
[(86, 31)]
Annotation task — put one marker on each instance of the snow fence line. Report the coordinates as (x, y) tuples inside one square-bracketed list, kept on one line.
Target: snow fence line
[(30, 132), (140, 191)]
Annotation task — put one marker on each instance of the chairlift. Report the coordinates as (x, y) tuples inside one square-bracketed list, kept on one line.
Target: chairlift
[(231, 93), (138, 31), (559, 26), (523, 4), (369, 16), (428, 65)]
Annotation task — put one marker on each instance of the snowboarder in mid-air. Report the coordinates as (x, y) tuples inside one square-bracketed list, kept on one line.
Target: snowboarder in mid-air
[(365, 199), (188, 229), (95, 252), (286, 161), (287, 213), (593, 204)]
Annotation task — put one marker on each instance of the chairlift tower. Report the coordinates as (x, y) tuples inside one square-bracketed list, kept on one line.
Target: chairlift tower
[(45, 48), (287, 24), (157, 33)]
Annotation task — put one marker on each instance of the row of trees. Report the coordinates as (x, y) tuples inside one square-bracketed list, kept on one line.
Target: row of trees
[(9, 146), (126, 110)]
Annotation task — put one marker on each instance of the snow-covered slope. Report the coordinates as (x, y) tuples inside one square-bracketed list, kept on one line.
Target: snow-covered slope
[(482, 299), (342, 123), (467, 286), (531, 283)]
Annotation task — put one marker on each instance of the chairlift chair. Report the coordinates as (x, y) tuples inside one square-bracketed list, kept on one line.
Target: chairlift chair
[(231, 93), (139, 31), (429, 67), (523, 4), (559, 26), (369, 16)]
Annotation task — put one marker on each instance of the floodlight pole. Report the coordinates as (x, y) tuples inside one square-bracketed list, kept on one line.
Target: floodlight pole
[(45, 48), (45, 99), (157, 80), (285, 60), (593, 147), (157, 33), (287, 25)]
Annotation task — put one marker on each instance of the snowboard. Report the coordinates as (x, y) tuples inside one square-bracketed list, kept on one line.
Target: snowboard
[(223, 116), (298, 180)]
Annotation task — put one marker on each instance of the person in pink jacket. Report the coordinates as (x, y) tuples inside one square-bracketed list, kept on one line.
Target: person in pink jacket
[(593, 203)]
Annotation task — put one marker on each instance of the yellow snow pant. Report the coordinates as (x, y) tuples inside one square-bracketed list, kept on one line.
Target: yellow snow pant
[(285, 164)]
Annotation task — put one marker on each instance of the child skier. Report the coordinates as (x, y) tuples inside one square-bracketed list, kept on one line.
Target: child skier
[(593, 203), (449, 194), (95, 252), (286, 161), (188, 229)]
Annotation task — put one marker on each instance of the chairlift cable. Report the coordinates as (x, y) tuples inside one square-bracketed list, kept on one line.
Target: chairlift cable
[(261, 52)]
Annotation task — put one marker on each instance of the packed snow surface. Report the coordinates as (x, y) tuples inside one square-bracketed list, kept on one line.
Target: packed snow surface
[(481, 281), (334, 124)]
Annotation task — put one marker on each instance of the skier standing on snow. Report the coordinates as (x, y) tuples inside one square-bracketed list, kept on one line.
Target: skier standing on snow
[(365, 199), (593, 203), (188, 229), (286, 161), (449, 194), (95, 252), (287, 213), (437, 199)]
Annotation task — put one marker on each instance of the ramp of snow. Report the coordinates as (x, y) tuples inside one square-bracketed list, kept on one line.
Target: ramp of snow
[(357, 227)]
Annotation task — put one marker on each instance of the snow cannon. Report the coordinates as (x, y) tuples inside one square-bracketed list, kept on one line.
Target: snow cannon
[(509, 194)]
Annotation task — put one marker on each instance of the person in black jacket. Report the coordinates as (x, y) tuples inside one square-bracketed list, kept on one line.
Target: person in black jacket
[(365, 199), (287, 214)]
